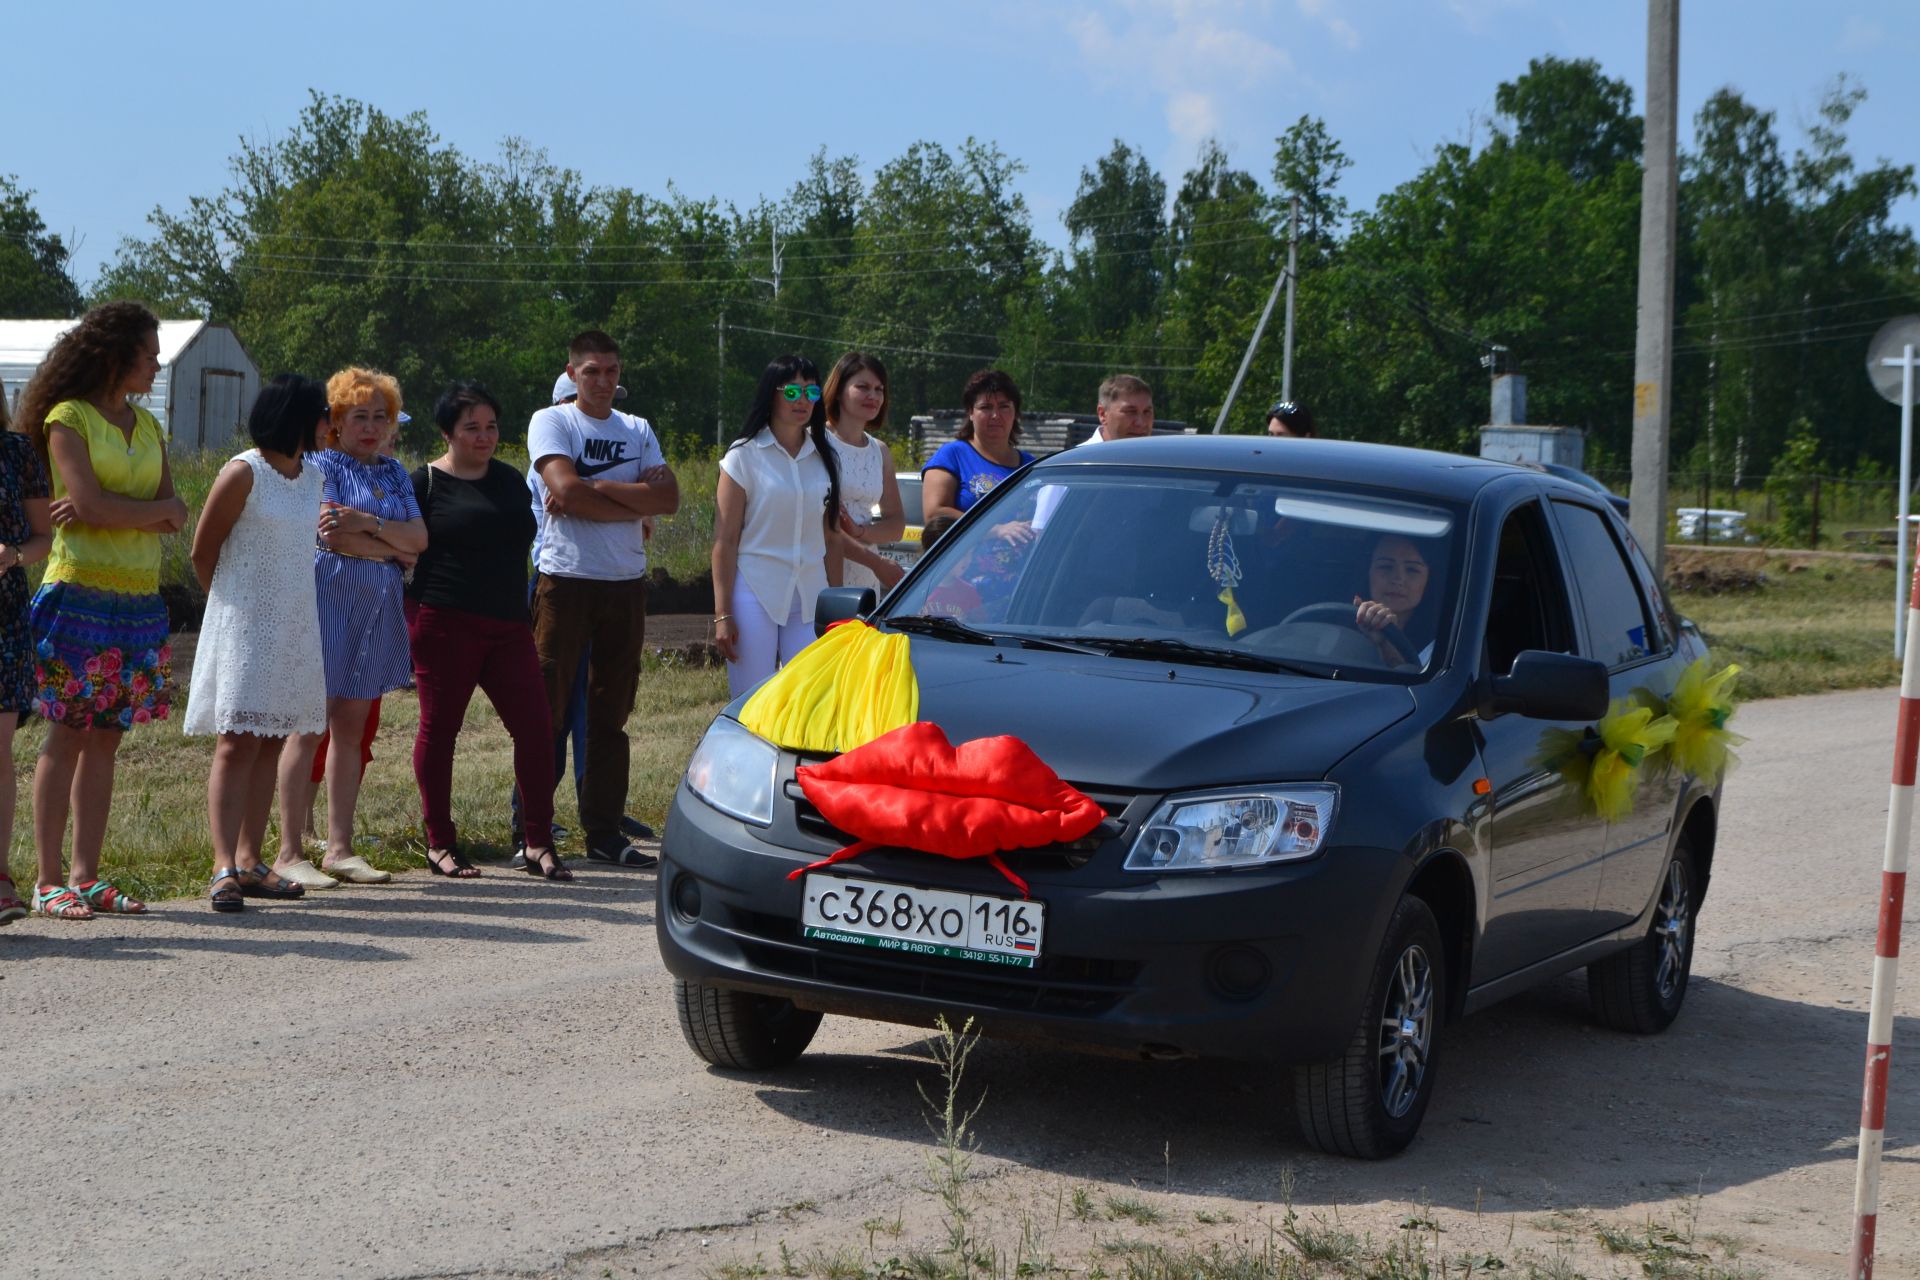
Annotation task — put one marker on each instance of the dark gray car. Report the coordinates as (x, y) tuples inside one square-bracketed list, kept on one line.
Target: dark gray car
[(1322, 842)]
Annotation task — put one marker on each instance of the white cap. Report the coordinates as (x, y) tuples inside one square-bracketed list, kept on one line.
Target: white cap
[(564, 389)]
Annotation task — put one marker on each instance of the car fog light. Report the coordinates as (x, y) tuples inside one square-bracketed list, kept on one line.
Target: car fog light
[(1242, 829), (732, 770), (1238, 972), (686, 897)]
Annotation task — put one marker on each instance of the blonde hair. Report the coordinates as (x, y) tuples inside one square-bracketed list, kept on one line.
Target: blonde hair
[(354, 386)]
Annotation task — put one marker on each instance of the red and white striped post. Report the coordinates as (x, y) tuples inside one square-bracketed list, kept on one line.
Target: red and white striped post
[(1886, 950)]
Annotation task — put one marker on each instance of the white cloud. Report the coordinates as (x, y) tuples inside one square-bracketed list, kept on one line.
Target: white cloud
[(1196, 55), (1338, 27)]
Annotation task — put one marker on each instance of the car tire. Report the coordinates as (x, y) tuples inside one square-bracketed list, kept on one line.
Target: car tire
[(1642, 988), (740, 1030), (1369, 1101)]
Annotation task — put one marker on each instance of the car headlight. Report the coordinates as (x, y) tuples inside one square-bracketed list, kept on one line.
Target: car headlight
[(732, 770), (1235, 829)]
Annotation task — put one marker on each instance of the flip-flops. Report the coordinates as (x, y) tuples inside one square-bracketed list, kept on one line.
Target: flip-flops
[(355, 869), (104, 898)]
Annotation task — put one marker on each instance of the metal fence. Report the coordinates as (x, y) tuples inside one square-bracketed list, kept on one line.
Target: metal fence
[(1836, 512)]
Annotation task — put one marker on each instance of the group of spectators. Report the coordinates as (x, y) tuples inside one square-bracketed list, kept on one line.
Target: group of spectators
[(334, 576)]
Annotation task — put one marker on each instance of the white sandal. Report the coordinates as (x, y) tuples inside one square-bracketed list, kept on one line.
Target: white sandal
[(355, 869), (306, 874)]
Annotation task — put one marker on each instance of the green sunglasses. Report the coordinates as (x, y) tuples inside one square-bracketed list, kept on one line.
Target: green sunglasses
[(793, 391)]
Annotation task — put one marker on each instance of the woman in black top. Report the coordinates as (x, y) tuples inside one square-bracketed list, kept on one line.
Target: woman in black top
[(467, 618)]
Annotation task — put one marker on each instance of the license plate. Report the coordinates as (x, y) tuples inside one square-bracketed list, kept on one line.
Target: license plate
[(922, 922)]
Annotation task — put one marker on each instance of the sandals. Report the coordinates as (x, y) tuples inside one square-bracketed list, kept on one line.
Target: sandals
[(60, 903), (546, 864), (262, 881), (355, 869), (228, 897), (11, 908), (451, 862), (103, 898)]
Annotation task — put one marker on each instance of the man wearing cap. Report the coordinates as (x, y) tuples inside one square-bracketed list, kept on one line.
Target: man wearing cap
[(596, 474)]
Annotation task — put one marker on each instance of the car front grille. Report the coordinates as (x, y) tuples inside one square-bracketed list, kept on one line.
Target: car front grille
[(1082, 986)]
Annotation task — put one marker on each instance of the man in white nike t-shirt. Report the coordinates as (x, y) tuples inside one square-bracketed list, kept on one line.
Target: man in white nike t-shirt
[(595, 474)]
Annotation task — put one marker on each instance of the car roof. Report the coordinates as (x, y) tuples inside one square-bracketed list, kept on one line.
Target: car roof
[(1452, 476)]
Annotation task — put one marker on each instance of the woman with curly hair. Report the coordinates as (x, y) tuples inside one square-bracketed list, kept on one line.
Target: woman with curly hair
[(103, 663), (370, 527)]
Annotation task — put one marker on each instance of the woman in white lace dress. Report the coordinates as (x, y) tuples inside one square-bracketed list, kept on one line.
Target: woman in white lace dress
[(257, 672), (856, 399)]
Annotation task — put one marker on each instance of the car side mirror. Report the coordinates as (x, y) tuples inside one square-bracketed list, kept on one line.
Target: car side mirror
[(1548, 686), (841, 604)]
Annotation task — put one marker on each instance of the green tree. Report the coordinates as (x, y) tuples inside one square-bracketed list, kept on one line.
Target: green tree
[(1308, 162), (35, 283)]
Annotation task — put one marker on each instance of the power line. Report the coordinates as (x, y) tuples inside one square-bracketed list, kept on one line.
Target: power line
[(950, 355), (771, 305)]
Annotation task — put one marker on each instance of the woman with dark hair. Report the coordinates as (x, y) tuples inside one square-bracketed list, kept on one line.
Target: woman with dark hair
[(981, 453), (468, 618), (99, 625), (26, 534), (369, 526), (774, 543), (856, 399), (1397, 579), (257, 674)]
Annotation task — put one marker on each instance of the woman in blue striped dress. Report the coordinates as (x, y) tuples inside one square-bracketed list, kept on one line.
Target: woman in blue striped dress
[(369, 529)]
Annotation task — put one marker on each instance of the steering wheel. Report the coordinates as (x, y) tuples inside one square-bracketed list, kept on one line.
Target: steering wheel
[(1343, 614)]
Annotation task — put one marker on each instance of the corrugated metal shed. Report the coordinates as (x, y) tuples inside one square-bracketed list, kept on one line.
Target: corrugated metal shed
[(206, 382)]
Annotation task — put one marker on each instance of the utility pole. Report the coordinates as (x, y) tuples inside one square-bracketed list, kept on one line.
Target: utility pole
[(1293, 275), (1653, 340), (1233, 392), (720, 384)]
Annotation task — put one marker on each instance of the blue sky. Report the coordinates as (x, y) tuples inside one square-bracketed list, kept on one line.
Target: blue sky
[(112, 108)]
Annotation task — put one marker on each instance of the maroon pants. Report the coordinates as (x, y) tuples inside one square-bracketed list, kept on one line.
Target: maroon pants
[(455, 652)]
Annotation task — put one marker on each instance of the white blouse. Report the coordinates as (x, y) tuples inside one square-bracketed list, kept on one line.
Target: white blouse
[(783, 543)]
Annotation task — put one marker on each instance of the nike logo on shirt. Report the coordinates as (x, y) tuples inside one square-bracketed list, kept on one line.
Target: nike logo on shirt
[(583, 468)]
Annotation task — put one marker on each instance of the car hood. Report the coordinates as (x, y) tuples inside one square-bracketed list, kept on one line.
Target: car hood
[(1150, 726)]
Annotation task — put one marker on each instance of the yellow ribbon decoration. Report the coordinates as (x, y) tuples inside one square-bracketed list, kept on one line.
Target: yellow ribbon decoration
[(842, 691), (1701, 706), (1236, 620), (1628, 736)]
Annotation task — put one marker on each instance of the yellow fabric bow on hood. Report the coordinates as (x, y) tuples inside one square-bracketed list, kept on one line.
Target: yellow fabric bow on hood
[(842, 691)]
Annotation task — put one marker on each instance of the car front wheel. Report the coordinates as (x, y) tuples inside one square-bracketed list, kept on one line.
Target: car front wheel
[(1369, 1101), (1642, 988), (740, 1030)]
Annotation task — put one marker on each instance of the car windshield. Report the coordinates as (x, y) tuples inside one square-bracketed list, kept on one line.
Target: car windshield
[(1200, 566)]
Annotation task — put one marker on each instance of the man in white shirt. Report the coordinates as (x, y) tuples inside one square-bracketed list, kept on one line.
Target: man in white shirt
[(596, 474), (1125, 410)]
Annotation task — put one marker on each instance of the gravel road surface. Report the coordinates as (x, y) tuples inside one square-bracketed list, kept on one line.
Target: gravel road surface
[(484, 1078)]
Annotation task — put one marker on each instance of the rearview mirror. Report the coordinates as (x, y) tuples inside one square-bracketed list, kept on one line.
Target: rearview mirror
[(839, 604), (1549, 686)]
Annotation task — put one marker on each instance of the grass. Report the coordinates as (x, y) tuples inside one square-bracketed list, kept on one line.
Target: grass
[(1806, 624), (156, 844)]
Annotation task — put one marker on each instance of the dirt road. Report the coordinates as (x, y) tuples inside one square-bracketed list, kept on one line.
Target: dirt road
[(484, 1078)]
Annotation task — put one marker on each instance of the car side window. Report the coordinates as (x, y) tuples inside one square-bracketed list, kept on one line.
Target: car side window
[(1618, 627), (1529, 605)]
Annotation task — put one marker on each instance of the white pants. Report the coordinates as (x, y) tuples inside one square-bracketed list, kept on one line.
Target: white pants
[(764, 644)]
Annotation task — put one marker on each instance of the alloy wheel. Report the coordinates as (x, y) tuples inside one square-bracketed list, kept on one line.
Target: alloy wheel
[(1672, 926), (1406, 1031)]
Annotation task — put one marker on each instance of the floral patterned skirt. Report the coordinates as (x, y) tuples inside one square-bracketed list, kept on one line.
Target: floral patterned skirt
[(101, 658)]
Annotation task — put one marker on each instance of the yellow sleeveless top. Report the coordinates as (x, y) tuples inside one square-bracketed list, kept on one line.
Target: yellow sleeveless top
[(112, 559)]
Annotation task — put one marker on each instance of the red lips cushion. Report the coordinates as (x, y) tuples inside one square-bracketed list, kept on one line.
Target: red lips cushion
[(913, 789)]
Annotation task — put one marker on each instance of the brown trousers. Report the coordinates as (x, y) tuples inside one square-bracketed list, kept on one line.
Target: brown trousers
[(608, 621)]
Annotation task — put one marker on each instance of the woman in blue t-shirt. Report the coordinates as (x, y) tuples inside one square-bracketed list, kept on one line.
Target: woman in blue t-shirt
[(982, 452)]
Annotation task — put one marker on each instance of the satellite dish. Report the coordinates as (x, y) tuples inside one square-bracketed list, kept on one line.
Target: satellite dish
[(1890, 344)]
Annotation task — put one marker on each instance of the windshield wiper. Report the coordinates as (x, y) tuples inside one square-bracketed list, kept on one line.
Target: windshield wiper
[(942, 627), (1182, 651)]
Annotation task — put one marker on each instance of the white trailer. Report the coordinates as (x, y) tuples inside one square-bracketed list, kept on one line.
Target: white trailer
[(206, 384)]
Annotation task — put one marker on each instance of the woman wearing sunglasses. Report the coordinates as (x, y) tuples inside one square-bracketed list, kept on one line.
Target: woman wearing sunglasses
[(778, 498)]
